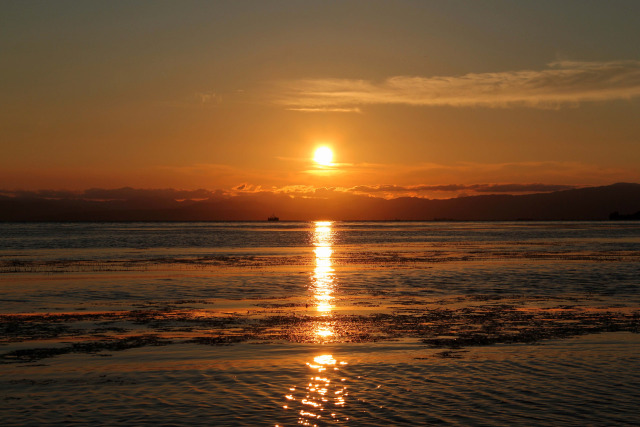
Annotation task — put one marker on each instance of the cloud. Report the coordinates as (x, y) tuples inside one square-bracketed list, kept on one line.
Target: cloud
[(391, 191), (403, 188), (128, 193), (519, 188), (478, 188), (124, 193), (326, 110), (172, 198), (208, 98), (562, 83), (245, 187), (43, 194)]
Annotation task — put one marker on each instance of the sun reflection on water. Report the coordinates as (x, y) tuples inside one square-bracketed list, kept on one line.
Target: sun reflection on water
[(323, 285), (322, 396)]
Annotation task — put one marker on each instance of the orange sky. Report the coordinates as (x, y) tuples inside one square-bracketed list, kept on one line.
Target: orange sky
[(416, 95)]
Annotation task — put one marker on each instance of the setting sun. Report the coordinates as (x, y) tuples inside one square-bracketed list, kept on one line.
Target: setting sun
[(323, 156)]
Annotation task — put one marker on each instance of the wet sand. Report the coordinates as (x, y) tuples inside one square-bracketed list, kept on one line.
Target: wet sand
[(444, 323)]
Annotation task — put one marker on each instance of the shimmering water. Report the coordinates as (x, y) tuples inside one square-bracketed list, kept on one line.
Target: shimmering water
[(384, 323)]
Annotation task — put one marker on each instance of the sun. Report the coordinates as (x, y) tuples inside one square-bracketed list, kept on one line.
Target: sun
[(323, 156)]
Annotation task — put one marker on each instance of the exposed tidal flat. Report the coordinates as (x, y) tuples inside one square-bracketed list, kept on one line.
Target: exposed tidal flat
[(320, 323)]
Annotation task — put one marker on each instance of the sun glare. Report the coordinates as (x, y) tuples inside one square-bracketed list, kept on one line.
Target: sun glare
[(323, 156)]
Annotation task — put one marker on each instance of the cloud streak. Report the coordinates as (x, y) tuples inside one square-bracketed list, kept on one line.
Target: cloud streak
[(478, 188), (305, 191), (562, 83), (389, 191), (115, 194), (325, 110)]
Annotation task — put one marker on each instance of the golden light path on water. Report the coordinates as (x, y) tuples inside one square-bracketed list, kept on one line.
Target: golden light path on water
[(322, 397), (323, 285)]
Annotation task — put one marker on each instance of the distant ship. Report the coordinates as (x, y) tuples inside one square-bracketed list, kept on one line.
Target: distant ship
[(273, 218)]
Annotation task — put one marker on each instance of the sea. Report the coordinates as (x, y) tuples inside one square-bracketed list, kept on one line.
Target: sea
[(320, 323)]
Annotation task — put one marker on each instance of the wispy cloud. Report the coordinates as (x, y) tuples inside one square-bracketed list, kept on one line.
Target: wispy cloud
[(124, 193), (288, 191), (392, 191), (477, 188), (208, 98), (562, 83), (326, 110)]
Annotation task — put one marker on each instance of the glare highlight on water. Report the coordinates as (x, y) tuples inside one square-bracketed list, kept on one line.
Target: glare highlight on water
[(323, 281), (323, 397)]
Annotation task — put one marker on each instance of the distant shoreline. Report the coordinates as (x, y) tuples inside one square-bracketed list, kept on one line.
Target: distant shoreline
[(613, 202)]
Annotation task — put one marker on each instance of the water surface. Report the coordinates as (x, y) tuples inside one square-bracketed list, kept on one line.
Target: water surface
[(382, 323)]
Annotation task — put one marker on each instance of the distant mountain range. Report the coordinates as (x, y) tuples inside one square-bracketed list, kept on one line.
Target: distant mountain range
[(617, 201)]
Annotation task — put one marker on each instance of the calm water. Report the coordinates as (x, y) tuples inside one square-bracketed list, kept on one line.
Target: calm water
[(383, 323)]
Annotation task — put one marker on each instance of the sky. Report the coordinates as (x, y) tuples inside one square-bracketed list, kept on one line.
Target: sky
[(421, 98)]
